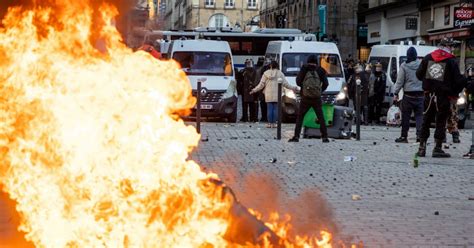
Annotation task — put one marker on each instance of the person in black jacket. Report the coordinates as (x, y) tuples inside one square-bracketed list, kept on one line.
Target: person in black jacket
[(442, 82), (246, 82), (262, 66), (359, 73), (376, 101), (306, 102)]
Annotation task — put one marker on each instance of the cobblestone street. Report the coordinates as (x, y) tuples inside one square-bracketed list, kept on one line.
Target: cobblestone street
[(379, 198)]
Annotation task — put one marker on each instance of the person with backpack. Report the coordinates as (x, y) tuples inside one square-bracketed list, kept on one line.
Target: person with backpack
[(442, 83), (269, 84), (313, 82)]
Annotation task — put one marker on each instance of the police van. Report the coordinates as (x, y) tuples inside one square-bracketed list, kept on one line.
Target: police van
[(211, 63), (291, 55)]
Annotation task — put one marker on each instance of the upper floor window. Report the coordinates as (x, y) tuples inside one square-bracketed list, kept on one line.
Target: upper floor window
[(218, 21), (252, 4), (229, 3), (209, 3)]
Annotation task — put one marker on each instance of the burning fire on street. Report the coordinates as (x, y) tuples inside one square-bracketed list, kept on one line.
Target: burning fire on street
[(92, 149)]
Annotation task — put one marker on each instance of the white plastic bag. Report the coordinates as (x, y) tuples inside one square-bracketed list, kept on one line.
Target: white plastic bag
[(394, 116)]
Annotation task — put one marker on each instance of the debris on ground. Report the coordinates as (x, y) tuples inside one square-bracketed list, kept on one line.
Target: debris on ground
[(205, 139), (356, 197), (233, 138), (349, 158), (436, 213), (273, 160)]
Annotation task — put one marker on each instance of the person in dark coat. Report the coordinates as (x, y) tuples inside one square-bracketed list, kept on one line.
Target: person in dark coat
[(442, 83), (262, 66), (246, 83), (376, 101), (470, 92), (359, 74), (307, 102)]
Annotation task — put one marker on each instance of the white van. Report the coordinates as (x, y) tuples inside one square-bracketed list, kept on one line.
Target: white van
[(291, 55), (391, 57), (212, 61)]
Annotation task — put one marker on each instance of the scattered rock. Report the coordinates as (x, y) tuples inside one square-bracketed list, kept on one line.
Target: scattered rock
[(273, 160), (233, 138), (436, 213), (356, 197), (471, 198), (375, 143), (311, 174), (219, 139), (259, 144), (283, 150), (246, 153), (335, 179), (446, 147), (205, 139), (431, 175), (394, 184)]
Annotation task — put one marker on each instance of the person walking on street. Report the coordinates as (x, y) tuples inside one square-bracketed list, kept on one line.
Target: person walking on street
[(470, 91), (442, 80), (313, 82), (246, 83), (262, 66), (413, 95), (269, 83), (364, 92)]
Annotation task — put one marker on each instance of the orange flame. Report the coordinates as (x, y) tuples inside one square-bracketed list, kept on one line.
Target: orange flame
[(91, 148)]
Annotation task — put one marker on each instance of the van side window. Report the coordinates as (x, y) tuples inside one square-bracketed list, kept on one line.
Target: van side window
[(393, 69)]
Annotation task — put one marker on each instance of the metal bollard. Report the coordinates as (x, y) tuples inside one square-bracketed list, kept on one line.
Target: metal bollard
[(358, 99), (279, 111), (198, 107)]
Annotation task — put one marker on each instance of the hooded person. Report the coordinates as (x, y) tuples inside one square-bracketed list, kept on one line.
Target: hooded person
[(313, 81), (442, 83), (413, 95)]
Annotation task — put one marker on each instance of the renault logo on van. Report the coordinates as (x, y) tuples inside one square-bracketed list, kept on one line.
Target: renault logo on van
[(203, 92)]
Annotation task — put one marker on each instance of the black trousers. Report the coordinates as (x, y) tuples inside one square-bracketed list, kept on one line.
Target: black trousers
[(249, 107), (317, 105), (436, 109), (375, 110), (409, 105), (263, 109)]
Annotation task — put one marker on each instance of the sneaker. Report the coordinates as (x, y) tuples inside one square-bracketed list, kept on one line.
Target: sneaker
[(439, 153), (294, 139), (268, 125), (401, 140), (274, 125), (325, 140)]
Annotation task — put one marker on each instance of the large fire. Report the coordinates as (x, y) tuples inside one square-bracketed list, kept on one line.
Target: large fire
[(91, 147)]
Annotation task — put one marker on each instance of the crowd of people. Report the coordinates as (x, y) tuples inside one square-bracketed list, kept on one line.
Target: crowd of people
[(431, 87)]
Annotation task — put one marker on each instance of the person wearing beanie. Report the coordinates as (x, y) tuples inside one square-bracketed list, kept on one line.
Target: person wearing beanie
[(412, 95), (442, 83)]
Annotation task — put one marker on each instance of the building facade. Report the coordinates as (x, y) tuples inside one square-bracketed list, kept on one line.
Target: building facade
[(332, 20), (189, 14), (426, 21)]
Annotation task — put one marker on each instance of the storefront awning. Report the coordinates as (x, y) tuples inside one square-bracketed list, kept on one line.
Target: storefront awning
[(452, 33)]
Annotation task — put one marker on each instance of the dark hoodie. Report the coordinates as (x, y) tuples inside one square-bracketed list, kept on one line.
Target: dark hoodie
[(312, 67), (440, 74)]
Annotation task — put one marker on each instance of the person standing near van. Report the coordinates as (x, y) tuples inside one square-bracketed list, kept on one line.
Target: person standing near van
[(262, 66), (377, 83), (269, 84), (413, 95), (246, 83), (313, 82), (442, 82), (359, 73)]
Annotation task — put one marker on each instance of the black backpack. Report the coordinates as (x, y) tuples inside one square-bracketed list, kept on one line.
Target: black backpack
[(312, 85)]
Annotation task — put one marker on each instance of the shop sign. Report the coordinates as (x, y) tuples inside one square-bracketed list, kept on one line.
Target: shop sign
[(463, 17)]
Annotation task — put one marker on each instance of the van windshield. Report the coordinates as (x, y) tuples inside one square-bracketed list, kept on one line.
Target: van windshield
[(205, 63), (292, 62)]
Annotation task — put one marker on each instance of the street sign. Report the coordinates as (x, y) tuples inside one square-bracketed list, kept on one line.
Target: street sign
[(322, 9), (463, 17)]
